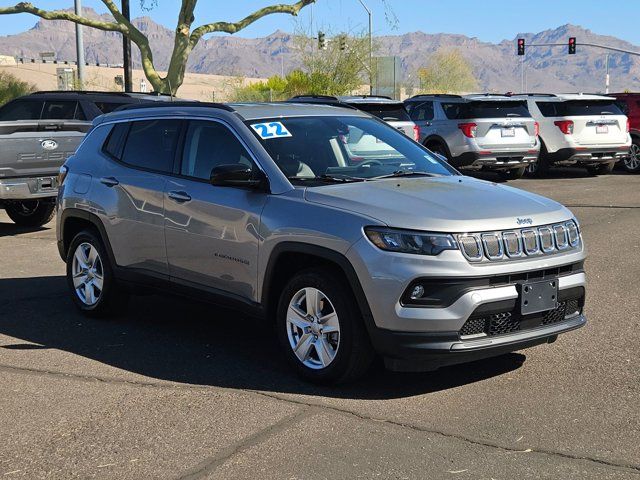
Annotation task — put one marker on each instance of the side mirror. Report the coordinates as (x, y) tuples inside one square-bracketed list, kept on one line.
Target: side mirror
[(234, 175)]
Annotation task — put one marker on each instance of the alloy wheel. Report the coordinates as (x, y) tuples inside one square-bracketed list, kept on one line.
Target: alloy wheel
[(632, 162), (88, 274), (313, 328)]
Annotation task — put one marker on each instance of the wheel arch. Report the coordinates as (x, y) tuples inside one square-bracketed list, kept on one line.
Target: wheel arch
[(288, 258), (74, 220)]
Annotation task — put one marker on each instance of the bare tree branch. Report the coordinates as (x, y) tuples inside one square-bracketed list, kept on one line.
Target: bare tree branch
[(25, 7), (228, 27)]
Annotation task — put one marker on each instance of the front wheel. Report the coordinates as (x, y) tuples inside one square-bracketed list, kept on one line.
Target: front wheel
[(632, 163), (90, 277), (30, 213), (321, 330)]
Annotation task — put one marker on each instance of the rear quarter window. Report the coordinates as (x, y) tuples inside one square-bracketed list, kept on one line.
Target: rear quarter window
[(21, 110), (388, 112)]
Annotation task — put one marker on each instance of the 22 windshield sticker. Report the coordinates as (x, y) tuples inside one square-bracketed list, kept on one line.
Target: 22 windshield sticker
[(271, 130)]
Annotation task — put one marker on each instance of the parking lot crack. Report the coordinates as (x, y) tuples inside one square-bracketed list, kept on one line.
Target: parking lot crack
[(210, 464)]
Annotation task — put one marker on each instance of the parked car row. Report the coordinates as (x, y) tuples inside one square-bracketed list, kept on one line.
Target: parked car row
[(514, 133)]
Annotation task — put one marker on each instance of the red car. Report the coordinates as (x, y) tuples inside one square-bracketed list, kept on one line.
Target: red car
[(629, 103)]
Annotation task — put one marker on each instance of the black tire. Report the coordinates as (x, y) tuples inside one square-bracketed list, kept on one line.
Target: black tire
[(112, 299), (31, 213), (604, 169), (541, 167), (513, 174), (632, 163), (440, 149), (354, 354)]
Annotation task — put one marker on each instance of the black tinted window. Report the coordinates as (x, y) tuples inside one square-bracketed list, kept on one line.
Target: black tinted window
[(578, 108), (389, 112), (622, 105), (115, 142), (108, 107), (485, 109), (21, 110), (209, 145), (421, 111), (152, 144), (59, 110)]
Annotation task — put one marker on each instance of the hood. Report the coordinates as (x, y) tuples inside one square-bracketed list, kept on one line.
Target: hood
[(441, 204)]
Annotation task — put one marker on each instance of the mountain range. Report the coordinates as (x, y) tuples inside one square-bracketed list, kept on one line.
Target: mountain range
[(496, 66)]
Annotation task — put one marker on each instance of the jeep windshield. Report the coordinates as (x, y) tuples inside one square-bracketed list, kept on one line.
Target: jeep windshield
[(327, 149)]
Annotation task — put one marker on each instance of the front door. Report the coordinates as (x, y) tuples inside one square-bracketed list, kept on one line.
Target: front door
[(211, 231)]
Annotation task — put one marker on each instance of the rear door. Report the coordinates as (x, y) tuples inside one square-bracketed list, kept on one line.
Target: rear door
[(500, 124), (33, 141), (596, 122), (131, 190)]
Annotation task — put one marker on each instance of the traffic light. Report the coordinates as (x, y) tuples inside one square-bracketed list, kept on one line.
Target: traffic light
[(572, 45), (521, 46), (343, 42), (322, 41)]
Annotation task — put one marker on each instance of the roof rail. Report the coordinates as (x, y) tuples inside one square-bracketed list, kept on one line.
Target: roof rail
[(318, 97), (78, 92), (514, 94), (442, 95), (149, 105), (386, 97)]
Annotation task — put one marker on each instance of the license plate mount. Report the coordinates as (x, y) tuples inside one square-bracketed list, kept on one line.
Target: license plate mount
[(508, 132), (541, 296), (47, 184), (602, 128)]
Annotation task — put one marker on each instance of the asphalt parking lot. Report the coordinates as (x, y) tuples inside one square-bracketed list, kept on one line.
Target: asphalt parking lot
[(182, 390)]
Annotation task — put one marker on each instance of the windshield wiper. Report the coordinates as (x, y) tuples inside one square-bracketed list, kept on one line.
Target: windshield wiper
[(336, 178), (406, 173)]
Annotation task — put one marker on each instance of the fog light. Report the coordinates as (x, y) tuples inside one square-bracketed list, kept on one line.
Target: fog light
[(417, 292)]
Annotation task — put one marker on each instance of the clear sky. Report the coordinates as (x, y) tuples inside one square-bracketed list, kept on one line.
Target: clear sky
[(489, 20)]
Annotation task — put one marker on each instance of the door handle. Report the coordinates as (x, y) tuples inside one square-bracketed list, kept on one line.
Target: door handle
[(179, 197), (109, 181)]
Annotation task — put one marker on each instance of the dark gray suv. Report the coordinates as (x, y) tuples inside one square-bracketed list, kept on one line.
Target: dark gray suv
[(348, 235)]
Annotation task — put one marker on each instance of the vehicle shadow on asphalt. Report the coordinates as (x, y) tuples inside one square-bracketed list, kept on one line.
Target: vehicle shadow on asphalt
[(178, 340), (11, 229), (553, 174)]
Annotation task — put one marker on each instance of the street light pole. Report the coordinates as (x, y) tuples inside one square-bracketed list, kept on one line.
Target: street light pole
[(126, 50), (606, 81), (79, 45), (370, 46)]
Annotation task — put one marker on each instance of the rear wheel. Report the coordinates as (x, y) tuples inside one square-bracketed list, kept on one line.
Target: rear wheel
[(90, 277), (541, 167), (30, 213), (632, 163), (604, 169), (512, 174), (320, 328), (440, 149)]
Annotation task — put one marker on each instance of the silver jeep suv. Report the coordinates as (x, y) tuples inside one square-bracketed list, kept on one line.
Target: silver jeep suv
[(274, 209), (478, 132)]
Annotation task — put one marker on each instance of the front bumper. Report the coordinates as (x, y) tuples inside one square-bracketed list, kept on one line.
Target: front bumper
[(28, 188), (404, 351), (495, 159), (588, 156)]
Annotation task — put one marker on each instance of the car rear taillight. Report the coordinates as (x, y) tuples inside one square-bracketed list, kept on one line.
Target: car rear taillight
[(469, 129), (536, 129), (416, 132), (565, 126), (628, 126)]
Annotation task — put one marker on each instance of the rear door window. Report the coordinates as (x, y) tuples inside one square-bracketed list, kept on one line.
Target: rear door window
[(21, 110), (421, 112), (391, 112), (579, 108), (151, 145), (108, 107), (60, 110), (486, 109)]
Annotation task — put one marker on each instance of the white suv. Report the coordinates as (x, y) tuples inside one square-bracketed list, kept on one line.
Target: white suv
[(578, 129)]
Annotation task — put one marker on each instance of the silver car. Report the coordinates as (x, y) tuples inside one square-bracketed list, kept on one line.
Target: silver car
[(478, 132), (273, 209)]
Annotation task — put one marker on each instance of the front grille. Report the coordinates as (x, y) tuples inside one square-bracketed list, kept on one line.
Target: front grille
[(503, 323), (530, 241)]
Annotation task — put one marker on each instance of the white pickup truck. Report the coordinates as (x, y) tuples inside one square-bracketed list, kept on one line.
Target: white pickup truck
[(38, 132)]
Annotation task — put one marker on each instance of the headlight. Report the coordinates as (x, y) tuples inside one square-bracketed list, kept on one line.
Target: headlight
[(407, 241)]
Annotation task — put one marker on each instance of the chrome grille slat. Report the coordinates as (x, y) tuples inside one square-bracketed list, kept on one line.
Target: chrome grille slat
[(520, 243)]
